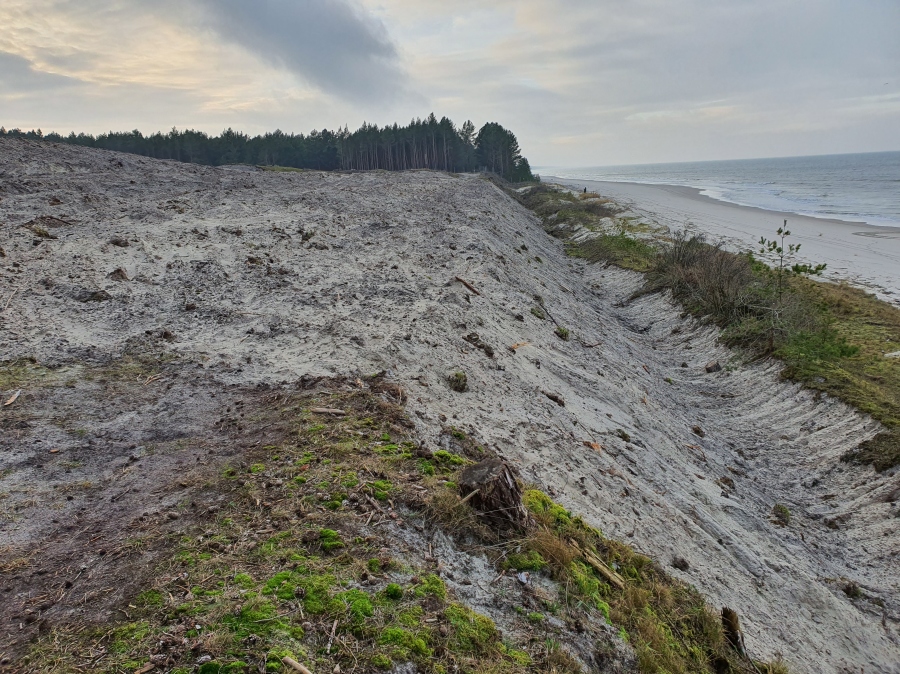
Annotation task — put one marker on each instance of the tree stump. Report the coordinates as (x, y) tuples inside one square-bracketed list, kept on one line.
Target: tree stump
[(492, 489), (731, 626)]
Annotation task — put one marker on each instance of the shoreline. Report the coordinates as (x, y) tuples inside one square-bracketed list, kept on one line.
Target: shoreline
[(862, 254), (698, 194)]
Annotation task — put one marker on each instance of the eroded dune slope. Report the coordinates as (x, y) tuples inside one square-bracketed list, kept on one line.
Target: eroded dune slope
[(263, 278)]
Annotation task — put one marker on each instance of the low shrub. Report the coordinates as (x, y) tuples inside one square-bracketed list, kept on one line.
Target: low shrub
[(458, 381)]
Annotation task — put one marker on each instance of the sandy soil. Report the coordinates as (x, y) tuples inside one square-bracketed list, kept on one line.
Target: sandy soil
[(239, 280), (866, 255)]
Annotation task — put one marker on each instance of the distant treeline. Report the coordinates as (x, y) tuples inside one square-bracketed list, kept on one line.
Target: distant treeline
[(428, 143)]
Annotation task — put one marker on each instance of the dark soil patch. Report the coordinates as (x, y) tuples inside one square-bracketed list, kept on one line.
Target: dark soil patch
[(100, 475)]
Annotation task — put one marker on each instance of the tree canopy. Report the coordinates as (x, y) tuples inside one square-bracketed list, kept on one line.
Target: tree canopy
[(422, 144)]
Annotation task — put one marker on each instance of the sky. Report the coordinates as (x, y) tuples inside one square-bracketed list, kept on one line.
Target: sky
[(580, 82)]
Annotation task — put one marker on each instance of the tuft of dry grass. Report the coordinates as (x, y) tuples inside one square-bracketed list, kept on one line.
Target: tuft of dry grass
[(444, 507), (705, 278), (551, 547)]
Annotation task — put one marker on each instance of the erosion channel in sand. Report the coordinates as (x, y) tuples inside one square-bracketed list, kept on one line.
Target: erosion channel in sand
[(251, 278)]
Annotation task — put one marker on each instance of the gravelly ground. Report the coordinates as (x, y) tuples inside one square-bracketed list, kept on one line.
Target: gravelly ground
[(233, 278)]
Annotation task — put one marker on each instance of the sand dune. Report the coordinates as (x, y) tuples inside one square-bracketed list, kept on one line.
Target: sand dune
[(260, 279)]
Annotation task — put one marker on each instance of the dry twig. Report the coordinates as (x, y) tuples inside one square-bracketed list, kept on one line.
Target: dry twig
[(6, 306)]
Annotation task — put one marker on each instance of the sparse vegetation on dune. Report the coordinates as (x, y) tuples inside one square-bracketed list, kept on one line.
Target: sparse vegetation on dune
[(292, 569), (831, 337), (667, 622), (619, 248), (202, 491)]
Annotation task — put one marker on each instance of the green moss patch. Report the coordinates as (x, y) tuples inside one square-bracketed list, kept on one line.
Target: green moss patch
[(432, 585), (242, 583)]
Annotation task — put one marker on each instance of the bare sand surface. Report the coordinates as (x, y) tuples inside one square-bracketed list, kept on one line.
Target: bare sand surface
[(865, 255), (245, 281)]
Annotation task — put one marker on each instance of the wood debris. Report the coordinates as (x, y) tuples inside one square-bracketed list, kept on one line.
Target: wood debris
[(600, 566), (13, 398), (296, 666), (468, 285), (555, 398), (326, 410)]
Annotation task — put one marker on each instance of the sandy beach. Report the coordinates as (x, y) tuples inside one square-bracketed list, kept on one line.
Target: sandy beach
[(865, 255)]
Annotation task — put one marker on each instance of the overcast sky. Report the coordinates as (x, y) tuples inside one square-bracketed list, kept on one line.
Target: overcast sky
[(581, 82)]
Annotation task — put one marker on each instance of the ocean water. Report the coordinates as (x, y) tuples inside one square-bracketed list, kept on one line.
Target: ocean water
[(850, 187)]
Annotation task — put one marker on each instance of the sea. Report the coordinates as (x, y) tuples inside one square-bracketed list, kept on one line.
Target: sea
[(851, 187)]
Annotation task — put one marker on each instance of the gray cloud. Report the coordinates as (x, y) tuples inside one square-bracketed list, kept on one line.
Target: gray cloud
[(580, 81), (18, 76), (332, 44), (666, 80)]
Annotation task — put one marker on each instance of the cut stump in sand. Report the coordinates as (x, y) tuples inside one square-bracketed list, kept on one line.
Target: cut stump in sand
[(713, 367), (492, 489), (731, 626)]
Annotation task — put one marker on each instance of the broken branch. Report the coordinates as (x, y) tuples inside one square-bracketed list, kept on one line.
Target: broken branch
[(468, 285), (468, 498), (293, 664), (600, 566), (326, 410)]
